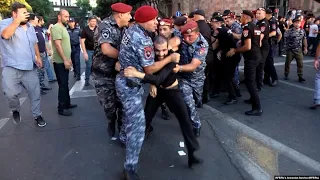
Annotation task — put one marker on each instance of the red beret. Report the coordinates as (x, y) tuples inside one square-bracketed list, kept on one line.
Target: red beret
[(165, 22), (145, 13), (121, 7), (189, 27)]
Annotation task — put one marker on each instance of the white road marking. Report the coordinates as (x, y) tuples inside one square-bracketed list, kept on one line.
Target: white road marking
[(78, 86), (280, 148), (308, 65), (84, 93), (296, 85), (4, 121)]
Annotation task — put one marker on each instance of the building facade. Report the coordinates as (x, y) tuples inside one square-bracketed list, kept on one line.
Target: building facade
[(210, 6)]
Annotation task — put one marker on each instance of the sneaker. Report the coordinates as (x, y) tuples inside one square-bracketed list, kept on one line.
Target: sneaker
[(16, 117), (40, 121)]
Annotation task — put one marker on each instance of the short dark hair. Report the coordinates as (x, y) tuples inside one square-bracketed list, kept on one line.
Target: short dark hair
[(160, 40), (16, 5), (92, 17), (40, 18)]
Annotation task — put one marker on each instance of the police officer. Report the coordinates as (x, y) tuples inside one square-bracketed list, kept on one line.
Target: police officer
[(178, 23), (224, 42), (106, 50), (75, 34), (270, 75), (205, 30), (294, 38), (136, 50), (250, 49), (194, 49), (263, 24)]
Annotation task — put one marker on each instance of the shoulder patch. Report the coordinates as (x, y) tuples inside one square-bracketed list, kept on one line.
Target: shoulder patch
[(245, 33), (202, 51), (105, 33), (229, 31), (148, 52)]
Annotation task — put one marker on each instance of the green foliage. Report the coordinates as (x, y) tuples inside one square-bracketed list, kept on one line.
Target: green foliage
[(41, 7)]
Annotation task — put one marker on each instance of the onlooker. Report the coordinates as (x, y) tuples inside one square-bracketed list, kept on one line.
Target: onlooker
[(87, 45), (62, 62), (46, 61), (43, 53), (313, 34), (20, 56), (74, 34)]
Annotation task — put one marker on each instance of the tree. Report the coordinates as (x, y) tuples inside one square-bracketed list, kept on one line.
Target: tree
[(5, 6), (41, 7), (85, 8)]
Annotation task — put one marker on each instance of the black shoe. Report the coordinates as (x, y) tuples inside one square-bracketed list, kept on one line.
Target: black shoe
[(129, 175), (199, 104), (65, 112), (194, 161), (71, 106), (46, 88), (230, 101), (254, 112), (87, 83), (196, 132), (42, 92), (112, 129), (301, 79), (274, 83), (248, 101), (314, 106), (40, 121), (149, 130), (214, 95), (78, 78), (165, 114), (16, 117), (286, 77), (238, 93)]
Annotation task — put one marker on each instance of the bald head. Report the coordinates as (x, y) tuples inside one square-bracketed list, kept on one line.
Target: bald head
[(63, 16)]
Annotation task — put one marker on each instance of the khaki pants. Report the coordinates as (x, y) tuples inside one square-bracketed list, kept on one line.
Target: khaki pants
[(294, 54)]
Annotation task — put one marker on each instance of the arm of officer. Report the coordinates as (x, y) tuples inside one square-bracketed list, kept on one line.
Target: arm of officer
[(198, 58), (273, 29), (105, 40), (237, 32), (247, 41), (156, 66)]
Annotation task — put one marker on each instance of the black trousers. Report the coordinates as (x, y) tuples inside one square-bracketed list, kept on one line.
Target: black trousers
[(260, 67), (176, 104), (62, 75), (269, 69), (250, 69), (218, 76), (75, 58), (227, 74), (207, 87)]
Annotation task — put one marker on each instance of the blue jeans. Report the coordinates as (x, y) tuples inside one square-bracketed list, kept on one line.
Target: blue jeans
[(89, 64), (317, 88), (47, 66)]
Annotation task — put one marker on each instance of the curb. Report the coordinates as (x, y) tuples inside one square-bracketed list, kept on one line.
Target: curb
[(254, 154)]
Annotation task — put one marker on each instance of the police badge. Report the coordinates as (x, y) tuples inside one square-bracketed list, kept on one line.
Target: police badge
[(148, 52), (245, 33), (105, 33)]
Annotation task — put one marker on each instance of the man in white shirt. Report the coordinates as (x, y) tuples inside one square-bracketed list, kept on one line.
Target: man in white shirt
[(313, 33)]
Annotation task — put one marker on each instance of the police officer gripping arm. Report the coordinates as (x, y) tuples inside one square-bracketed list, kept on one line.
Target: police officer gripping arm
[(250, 49)]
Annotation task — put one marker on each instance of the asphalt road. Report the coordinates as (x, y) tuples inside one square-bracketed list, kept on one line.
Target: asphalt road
[(78, 147)]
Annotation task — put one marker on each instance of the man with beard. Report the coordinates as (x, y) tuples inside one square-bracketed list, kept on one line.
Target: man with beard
[(167, 90), (263, 24), (105, 59), (62, 63), (20, 55), (136, 50), (250, 48)]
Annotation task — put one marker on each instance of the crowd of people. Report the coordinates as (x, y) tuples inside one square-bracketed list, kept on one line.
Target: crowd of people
[(187, 61)]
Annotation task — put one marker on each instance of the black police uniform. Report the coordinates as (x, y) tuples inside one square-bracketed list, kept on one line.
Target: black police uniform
[(75, 35), (228, 64), (251, 60), (265, 47), (269, 69), (206, 30)]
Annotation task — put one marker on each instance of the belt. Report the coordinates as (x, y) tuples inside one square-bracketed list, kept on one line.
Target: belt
[(104, 74)]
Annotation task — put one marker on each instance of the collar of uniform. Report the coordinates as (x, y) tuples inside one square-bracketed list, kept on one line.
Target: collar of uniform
[(262, 20), (113, 22), (143, 30)]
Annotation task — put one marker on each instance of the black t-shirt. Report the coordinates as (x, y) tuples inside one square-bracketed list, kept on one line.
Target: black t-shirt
[(88, 34), (251, 31), (265, 29), (273, 27), (282, 25), (306, 27), (225, 38), (165, 77), (205, 31)]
